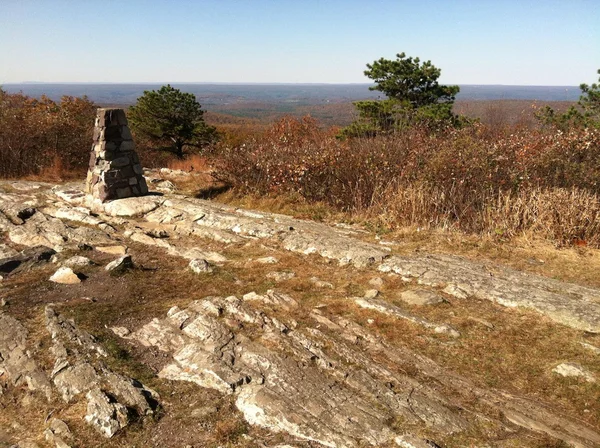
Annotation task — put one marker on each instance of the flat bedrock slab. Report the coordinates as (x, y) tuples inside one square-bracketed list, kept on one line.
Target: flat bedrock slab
[(568, 304)]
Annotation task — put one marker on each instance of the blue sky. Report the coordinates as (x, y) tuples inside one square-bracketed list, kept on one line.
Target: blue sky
[(543, 42)]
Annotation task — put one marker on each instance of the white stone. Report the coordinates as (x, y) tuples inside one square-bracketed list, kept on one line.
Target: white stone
[(200, 266), (280, 276), (120, 331), (571, 369), (420, 297), (376, 282), (371, 293), (65, 276), (590, 347), (267, 260), (320, 283), (77, 261), (113, 250)]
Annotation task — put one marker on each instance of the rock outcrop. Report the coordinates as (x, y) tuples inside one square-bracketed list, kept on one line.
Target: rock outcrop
[(335, 356)]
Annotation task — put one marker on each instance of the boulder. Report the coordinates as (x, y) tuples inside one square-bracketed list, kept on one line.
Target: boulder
[(25, 260), (106, 415), (200, 266), (120, 265), (77, 261)]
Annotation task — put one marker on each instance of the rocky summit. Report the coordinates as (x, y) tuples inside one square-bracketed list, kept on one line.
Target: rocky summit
[(169, 321)]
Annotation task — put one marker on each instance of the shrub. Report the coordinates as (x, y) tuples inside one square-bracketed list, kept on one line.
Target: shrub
[(37, 134), (502, 184)]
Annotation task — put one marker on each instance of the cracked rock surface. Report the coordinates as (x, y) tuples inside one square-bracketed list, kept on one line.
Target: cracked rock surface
[(194, 323)]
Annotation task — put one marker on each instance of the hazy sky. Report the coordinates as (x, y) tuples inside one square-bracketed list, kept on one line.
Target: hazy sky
[(526, 42)]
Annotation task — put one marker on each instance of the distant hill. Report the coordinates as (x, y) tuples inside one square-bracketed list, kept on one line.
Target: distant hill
[(226, 95)]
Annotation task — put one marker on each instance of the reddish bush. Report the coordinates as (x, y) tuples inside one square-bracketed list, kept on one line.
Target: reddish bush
[(37, 134), (472, 179)]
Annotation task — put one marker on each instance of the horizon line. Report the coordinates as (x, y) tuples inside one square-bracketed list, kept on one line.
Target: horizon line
[(256, 83)]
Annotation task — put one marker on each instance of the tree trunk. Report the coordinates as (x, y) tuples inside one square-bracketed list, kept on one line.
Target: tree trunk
[(179, 149)]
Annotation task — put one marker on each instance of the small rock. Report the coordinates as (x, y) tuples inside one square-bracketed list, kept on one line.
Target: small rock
[(195, 252), (200, 266), (164, 185), (60, 428), (66, 276), (120, 265), (483, 322), (77, 261), (267, 260), (420, 297), (376, 282), (26, 213), (112, 250), (27, 444), (280, 276), (371, 293), (157, 233), (120, 331), (321, 283), (591, 347), (3, 302), (56, 433), (568, 369), (204, 411), (55, 440), (84, 246), (106, 416)]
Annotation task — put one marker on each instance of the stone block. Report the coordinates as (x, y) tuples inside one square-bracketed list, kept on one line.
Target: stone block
[(143, 186), (104, 146), (124, 192), (113, 134), (126, 133), (127, 172), (111, 176), (106, 117), (120, 162), (126, 146)]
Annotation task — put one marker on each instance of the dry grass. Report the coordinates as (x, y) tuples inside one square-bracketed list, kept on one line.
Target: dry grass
[(564, 216), (192, 163)]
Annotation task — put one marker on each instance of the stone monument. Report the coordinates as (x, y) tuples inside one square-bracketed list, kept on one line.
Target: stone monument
[(115, 171)]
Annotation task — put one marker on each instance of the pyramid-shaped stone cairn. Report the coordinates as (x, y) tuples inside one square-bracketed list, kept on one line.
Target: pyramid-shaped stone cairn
[(115, 171)]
